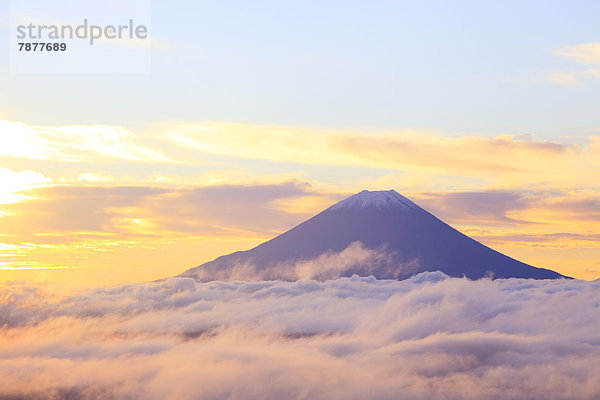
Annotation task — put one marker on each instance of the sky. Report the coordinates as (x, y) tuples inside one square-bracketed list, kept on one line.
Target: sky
[(257, 115)]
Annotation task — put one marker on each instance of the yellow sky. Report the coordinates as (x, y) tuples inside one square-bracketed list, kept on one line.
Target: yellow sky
[(95, 205)]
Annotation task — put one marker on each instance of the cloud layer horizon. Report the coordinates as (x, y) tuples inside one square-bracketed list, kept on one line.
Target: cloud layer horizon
[(428, 337)]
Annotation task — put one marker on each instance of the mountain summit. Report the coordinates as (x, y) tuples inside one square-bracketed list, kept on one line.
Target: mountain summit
[(379, 233), (377, 199)]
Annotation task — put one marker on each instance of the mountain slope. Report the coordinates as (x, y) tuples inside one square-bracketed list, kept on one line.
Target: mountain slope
[(372, 233)]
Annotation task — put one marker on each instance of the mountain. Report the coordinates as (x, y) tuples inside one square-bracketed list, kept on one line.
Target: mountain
[(379, 233)]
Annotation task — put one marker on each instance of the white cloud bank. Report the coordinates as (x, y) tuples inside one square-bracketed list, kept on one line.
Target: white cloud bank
[(429, 337)]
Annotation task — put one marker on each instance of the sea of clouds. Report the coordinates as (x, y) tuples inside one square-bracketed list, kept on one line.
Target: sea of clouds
[(428, 337)]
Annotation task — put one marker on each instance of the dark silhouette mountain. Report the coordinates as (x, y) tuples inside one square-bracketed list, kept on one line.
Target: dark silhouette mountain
[(370, 233)]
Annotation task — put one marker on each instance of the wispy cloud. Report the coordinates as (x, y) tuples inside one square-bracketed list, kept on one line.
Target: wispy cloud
[(130, 211), (574, 78), (223, 210), (502, 160), (77, 143), (20, 266), (585, 53), (399, 150)]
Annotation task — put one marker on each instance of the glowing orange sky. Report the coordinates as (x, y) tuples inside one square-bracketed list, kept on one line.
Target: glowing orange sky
[(94, 205)]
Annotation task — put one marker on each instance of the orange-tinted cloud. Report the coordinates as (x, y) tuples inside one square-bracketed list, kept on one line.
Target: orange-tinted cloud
[(501, 161), (147, 211)]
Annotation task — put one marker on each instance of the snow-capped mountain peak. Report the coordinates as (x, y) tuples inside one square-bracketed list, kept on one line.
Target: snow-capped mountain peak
[(379, 233), (377, 199)]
